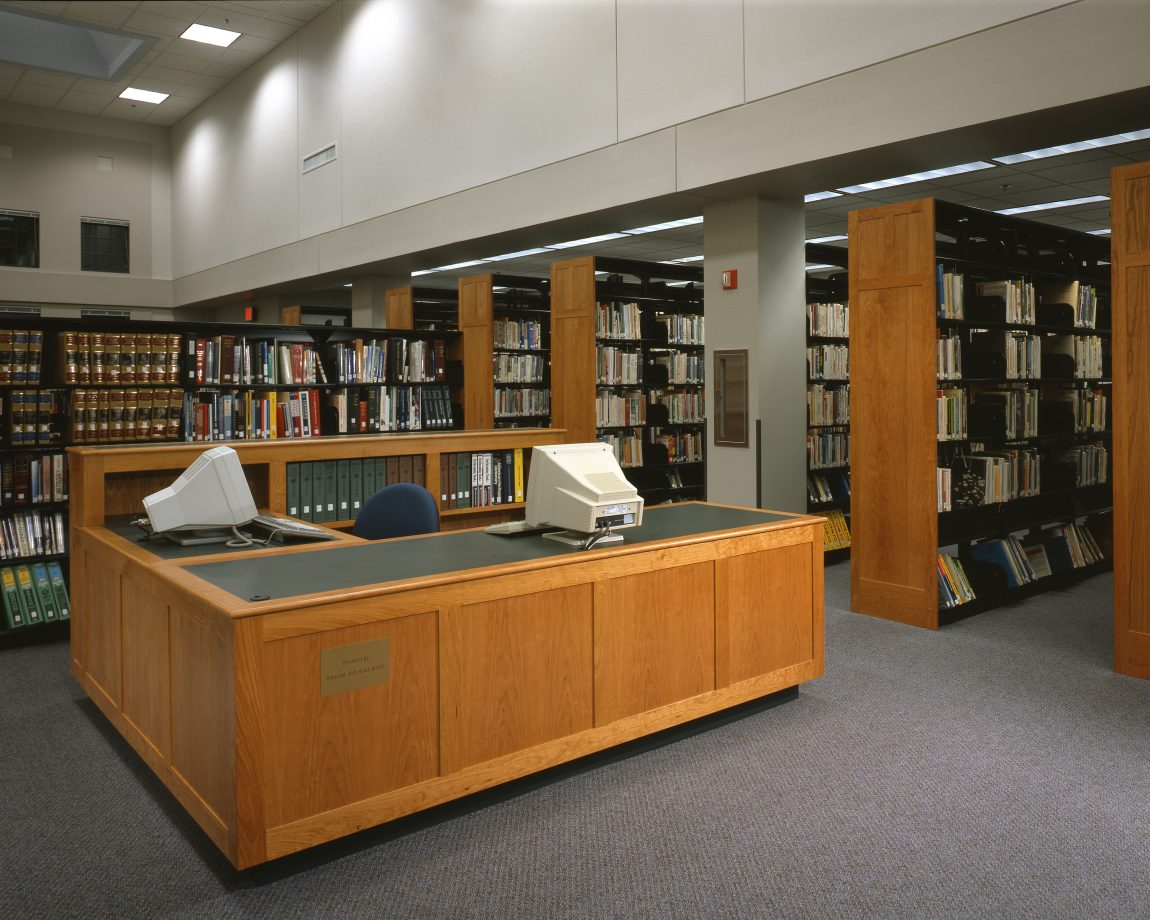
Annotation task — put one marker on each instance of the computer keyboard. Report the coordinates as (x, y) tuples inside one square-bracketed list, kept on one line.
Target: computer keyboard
[(278, 528)]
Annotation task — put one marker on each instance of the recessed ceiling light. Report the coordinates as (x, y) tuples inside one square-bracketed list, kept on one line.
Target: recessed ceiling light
[(1050, 205), (515, 255), (143, 95), (820, 196), (684, 259), (1059, 149), (829, 239), (587, 241), (669, 225), (210, 35), (916, 177)]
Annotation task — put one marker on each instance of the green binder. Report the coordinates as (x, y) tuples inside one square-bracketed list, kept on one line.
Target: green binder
[(380, 473), (13, 612), (463, 478), (44, 591), (26, 589), (342, 490), (318, 508), (356, 477), (330, 490), (305, 501), (293, 492), (368, 478), (60, 589)]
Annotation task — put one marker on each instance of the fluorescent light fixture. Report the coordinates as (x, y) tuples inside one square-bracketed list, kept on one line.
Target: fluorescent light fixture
[(1075, 147), (426, 271), (143, 95), (829, 239), (1051, 205), (447, 268), (517, 255), (820, 196), (916, 177), (587, 241), (682, 260), (819, 268), (1105, 231), (669, 225), (348, 284), (210, 35), (679, 283)]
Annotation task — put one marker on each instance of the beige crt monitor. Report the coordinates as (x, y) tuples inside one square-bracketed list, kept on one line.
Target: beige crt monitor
[(581, 488), (206, 502)]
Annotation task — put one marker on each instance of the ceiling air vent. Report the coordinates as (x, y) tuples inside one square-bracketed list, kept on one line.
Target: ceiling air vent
[(19, 310), (114, 314), (319, 158)]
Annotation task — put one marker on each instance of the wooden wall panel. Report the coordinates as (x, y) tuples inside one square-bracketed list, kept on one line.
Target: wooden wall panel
[(654, 640), (894, 522), (1130, 221), (516, 672), (767, 615), (475, 323), (573, 307), (147, 696), (319, 756), (202, 707)]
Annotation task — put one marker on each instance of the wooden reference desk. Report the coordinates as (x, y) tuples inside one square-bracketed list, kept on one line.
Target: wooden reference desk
[(481, 659)]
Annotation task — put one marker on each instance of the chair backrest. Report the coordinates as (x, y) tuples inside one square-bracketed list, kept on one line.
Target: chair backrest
[(398, 510)]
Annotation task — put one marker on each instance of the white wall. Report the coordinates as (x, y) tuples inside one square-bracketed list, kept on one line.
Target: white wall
[(461, 119)]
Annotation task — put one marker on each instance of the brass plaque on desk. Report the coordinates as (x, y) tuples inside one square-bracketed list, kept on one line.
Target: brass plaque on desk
[(350, 667)]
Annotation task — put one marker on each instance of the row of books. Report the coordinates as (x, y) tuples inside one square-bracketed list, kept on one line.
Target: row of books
[(828, 487), (683, 408), (120, 358), (34, 594), (1017, 301), (836, 532), (826, 449), (616, 409), (682, 328), (528, 368), (521, 402), (681, 446), (324, 491), (618, 365), (389, 360), (518, 333), (481, 478), (828, 362), (1089, 407), (628, 447), (828, 319), (990, 478), (375, 409), (1053, 551), (618, 321), (949, 348), (953, 586), (21, 355), (33, 479), (1018, 298), (828, 405), (682, 368), (953, 421), (1020, 412), (33, 533), (1009, 354), (30, 416), (117, 415), (226, 360)]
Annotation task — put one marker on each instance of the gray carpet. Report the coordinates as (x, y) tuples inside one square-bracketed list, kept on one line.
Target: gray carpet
[(997, 768)]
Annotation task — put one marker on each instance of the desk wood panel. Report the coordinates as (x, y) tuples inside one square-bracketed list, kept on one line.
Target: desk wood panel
[(324, 752), (516, 673), (147, 693), (768, 611), (101, 621), (654, 640)]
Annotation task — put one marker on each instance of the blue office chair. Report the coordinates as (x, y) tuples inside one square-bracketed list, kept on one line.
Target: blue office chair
[(399, 510)]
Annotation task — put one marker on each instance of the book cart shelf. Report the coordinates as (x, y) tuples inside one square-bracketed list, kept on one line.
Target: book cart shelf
[(627, 368), (980, 398), (828, 399)]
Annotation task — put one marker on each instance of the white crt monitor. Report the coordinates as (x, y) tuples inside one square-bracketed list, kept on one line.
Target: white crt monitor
[(580, 488), (211, 493)]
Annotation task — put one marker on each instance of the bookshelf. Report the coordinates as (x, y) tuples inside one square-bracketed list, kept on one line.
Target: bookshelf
[(628, 368), (68, 382), (505, 321), (828, 399), (1130, 224), (417, 307), (958, 443)]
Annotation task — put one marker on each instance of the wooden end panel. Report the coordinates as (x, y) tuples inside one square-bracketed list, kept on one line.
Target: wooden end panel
[(202, 707), (654, 640), (894, 519), (573, 365), (891, 244), (100, 605), (323, 752), (1130, 210), (516, 673), (475, 324), (399, 308), (768, 615), (146, 676)]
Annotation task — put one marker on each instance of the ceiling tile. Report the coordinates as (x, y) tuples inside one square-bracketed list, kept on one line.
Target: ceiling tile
[(11, 71), (184, 10), (183, 103), (251, 44), (82, 108), (38, 77), (159, 72), (195, 92), (185, 62), (23, 97), (205, 81), (98, 14), (221, 69), (82, 98), (151, 24), (41, 6), (1080, 172), (6, 86)]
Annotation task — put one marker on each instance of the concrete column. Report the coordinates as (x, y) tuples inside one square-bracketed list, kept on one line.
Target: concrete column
[(764, 241), (367, 298)]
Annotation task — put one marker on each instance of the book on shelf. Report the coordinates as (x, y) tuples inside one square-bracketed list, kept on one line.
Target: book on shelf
[(836, 532), (953, 586)]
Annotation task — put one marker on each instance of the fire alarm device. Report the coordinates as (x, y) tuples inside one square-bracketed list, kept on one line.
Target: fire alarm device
[(730, 279)]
